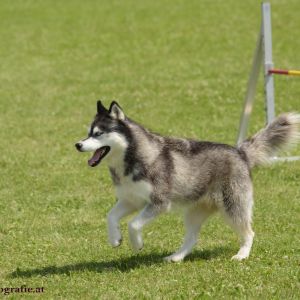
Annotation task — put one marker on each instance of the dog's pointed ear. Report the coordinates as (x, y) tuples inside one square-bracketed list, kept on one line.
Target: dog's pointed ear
[(116, 112), (100, 108)]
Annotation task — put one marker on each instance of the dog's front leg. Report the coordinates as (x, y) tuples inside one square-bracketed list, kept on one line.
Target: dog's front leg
[(120, 210), (135, 226)]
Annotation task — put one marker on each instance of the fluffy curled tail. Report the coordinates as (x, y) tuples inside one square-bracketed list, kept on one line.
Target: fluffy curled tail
[(282, 133)]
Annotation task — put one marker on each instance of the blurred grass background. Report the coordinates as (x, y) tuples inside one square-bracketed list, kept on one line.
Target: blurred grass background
[(180, 68)]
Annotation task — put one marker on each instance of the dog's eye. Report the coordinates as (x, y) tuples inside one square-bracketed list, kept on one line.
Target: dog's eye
[(98, 133)]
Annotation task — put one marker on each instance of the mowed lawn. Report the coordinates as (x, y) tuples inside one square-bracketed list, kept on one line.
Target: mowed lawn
[(178, 67)]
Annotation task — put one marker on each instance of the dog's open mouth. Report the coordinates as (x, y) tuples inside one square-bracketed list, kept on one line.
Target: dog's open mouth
[(98, 156)]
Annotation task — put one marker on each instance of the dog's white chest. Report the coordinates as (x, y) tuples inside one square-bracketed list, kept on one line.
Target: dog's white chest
[(136, 192)]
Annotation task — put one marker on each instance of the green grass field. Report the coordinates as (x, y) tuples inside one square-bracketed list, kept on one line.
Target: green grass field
[(178, 67)]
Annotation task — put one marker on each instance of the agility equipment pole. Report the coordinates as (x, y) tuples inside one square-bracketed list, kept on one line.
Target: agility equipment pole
[(263, 55)]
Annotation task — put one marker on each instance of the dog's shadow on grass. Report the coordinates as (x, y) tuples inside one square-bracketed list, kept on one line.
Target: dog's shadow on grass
[(123, 265)]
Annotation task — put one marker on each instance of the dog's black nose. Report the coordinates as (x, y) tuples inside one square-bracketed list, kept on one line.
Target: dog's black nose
[(78, 146)]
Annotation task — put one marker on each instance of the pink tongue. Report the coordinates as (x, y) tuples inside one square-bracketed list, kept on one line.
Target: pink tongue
[(95, 158)]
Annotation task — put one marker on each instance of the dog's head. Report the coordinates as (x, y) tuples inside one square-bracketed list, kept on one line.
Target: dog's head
[(106, 136)]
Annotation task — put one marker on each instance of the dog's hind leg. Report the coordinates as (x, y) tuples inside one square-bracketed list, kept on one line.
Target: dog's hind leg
[(120, 210), (135, 226), (246, 235), (194, 218), (238, 214)]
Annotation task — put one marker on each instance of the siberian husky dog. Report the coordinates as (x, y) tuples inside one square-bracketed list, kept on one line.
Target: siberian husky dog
[(153, 174)]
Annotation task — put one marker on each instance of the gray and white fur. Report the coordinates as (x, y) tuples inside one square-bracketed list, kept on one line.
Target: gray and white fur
[(153, 174)]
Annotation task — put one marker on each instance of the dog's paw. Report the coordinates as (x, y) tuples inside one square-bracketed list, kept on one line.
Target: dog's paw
[(116, 243), (174, 258), (137, 246), (238, 257), (139, 249), (114, 236), (135, 238)]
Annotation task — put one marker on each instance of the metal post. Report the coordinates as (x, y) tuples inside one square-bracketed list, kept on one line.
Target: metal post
[(268, 62), (263, 51), (251, 87)]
